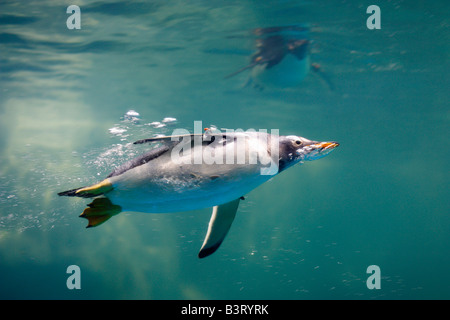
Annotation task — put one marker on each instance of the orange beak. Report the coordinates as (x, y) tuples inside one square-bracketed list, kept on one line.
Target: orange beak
[(327, 145)]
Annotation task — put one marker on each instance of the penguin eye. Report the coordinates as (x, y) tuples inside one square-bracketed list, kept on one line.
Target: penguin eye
[(298, 142)]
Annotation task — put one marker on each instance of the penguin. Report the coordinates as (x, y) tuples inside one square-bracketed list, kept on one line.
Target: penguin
[(195, 171), (282, 58), (278, 62)]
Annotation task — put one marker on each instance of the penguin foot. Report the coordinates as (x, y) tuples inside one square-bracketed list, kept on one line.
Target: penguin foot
[(99, 211)]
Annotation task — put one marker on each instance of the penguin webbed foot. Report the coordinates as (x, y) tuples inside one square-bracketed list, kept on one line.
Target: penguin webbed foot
[(324, 77), (99, 211)]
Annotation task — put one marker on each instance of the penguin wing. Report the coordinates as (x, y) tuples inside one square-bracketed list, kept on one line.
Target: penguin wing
[(241, 70), (206, 139), (166, 139), (221, 219), (146, 157)]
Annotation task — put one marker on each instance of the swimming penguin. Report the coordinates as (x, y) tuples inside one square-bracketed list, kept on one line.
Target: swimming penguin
[(282, 58), (195, 171)]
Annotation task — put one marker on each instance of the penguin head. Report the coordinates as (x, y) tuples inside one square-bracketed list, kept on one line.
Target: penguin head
[(295, 149)]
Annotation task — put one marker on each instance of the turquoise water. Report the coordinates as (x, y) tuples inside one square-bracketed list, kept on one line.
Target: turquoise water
[(382, 198)]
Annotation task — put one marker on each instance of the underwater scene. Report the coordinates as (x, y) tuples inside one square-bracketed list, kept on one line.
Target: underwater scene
[(364, 86)]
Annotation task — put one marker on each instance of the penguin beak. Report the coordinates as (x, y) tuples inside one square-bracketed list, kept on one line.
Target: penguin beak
[(324, 146), (319, 150)]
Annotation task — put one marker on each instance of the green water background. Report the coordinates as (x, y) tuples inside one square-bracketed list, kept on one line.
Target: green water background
[(382, 198)]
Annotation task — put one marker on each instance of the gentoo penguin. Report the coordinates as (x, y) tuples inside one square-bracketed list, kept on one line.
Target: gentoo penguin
[(282, 58), (195, 171)]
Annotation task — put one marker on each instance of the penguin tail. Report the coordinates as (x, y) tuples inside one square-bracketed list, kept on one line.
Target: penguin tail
[(99, 211), (89, 192)]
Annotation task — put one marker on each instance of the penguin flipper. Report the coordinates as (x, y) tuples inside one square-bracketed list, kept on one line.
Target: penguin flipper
[(221, 219), (166, 139), (241, 70), (100, 210)]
